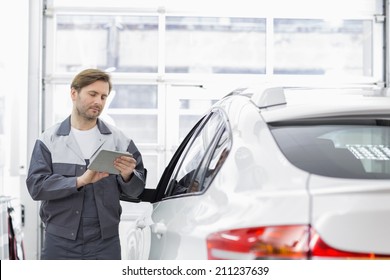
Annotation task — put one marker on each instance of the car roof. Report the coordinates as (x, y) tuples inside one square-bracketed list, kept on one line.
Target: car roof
[(282, 104)]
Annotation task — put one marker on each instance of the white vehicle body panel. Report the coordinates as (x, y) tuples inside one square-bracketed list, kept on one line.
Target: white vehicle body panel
[(352, 215)]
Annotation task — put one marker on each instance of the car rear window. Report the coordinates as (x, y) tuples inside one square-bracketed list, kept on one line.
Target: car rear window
[(337, 148)]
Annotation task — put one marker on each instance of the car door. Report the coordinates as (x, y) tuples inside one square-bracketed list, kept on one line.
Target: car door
[(184, 182)]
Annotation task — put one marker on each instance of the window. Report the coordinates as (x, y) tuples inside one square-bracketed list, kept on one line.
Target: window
[(133, 109), (215, 45), (321, 47), (134, 96), (212, 162), (345, 148), (120, 42), (192, 173)]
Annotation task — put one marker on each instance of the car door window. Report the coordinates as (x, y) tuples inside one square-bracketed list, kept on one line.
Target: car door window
[(190, 162), (212, 162)]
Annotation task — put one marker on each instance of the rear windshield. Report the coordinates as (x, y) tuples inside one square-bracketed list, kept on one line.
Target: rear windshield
[(337, 148)]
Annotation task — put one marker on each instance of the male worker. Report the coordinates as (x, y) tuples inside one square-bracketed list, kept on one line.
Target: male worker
[(81, 207)]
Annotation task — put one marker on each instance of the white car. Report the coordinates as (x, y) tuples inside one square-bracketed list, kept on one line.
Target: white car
[(280, 173)]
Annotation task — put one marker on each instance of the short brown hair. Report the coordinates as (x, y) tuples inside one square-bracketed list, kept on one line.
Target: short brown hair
[(89, 76)]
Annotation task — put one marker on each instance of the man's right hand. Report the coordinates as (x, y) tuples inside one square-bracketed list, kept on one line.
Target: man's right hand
[(90, 177)]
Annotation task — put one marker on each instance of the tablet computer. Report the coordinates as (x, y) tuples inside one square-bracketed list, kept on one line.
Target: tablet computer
[(103, 161)]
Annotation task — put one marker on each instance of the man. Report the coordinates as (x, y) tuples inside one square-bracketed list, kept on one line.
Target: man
[(80, 207)]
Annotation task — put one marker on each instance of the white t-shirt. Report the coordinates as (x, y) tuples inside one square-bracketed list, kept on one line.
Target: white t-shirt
[(88, 140)]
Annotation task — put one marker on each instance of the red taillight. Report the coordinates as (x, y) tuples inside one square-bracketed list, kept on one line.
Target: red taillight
[(279, 242), (275, 242), (319, 249)]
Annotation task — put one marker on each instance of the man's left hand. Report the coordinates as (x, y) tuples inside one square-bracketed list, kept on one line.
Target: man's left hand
[(126, 166)]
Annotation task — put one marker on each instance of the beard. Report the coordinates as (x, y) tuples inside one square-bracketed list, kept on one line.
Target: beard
[(87, 114)]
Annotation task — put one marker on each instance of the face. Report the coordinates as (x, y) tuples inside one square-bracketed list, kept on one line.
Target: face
[(90, 101)]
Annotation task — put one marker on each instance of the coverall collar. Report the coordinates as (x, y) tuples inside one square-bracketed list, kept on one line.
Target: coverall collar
[(65, 127)]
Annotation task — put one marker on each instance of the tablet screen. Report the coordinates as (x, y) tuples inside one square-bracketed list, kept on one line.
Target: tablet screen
[(104, 161)]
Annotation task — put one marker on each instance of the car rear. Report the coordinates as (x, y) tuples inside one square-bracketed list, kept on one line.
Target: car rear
[(347, 153), (344, 146)]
